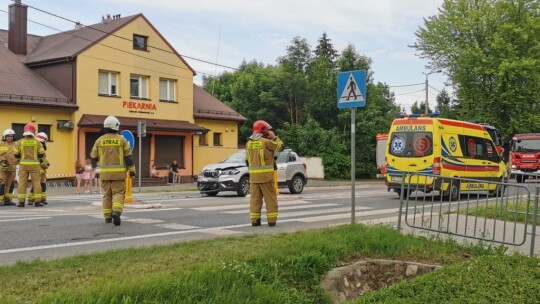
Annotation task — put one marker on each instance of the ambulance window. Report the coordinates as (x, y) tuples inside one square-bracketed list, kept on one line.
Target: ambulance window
[(474, 147), (411, 144)]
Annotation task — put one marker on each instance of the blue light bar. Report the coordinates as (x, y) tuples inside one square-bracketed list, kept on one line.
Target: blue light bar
[(417, 115)]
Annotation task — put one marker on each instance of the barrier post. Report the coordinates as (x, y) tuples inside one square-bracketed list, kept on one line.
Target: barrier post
[(129, 198)]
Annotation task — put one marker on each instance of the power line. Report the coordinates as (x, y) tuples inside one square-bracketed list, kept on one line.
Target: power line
[(409, 92), (406, 85)]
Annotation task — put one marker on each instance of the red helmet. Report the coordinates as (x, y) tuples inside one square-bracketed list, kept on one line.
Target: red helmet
[(261, 127), (29, 130)]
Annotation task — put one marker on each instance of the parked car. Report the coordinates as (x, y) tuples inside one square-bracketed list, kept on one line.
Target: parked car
[(231, 174)]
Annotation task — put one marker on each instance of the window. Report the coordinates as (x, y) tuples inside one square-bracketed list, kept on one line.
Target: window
[(140, 42), (167, 90), (139, 87), (411, 144), (108, 83), (46, 129), (202, 139), (19, 129), (217, 139)]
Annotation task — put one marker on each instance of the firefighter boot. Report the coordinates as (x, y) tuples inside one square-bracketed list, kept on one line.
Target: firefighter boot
[(271, 224), (257, 223), (108, 220), (37, 204), (43, 195), (116, 218), (8, 202)]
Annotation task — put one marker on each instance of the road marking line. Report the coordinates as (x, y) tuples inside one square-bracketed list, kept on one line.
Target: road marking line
[(26, 219), (142, 220), (228, 207), (177, 226)]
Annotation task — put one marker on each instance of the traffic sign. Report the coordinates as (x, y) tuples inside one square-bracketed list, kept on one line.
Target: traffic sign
[(351, 89), (129, 137)]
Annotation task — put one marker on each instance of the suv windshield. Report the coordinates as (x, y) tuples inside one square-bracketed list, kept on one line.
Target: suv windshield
[(238, 157), (411, 144)]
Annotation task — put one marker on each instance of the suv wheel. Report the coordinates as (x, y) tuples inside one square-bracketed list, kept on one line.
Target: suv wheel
[(243, 186), (296, 185)]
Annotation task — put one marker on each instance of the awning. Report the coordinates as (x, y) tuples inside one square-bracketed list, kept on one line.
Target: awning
[(130, 123)]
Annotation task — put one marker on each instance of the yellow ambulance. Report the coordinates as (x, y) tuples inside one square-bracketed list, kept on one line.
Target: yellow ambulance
[(430, 152)]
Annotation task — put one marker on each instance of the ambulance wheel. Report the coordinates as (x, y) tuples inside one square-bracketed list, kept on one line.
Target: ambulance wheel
[(453, 191), (520, 178), (405, 194)]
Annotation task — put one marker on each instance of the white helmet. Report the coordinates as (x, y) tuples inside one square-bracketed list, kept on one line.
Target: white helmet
[(42, 137), (7, 132), (111, 122)]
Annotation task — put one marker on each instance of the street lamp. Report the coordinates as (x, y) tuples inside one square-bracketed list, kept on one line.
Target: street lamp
[(427, 85)]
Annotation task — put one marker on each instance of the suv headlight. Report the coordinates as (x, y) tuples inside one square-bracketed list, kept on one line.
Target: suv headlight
[(229, 172)]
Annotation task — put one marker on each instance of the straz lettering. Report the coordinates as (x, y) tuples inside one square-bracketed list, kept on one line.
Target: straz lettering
[(110, 142), (139, 105), (410, 128)]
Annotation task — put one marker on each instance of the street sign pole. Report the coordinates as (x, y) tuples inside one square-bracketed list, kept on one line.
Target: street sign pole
[(353, 165), (351, 93), (141, 132)]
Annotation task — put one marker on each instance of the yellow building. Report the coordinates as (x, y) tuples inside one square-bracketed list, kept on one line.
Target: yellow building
[(67, 83)]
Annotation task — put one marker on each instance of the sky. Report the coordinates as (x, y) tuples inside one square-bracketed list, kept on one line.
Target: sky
[(228, 32)]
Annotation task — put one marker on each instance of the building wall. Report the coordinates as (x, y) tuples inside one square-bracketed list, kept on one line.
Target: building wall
[(209, 154), (158, 62), (61, 146)]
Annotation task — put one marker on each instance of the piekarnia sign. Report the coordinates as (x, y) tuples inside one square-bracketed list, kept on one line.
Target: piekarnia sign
[(139, 107)]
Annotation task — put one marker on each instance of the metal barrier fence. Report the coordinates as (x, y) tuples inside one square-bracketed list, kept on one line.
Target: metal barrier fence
[(503, 212)]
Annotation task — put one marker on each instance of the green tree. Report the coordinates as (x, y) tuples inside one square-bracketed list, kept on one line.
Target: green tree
[(445, 106), (491, 51), (298, 54)]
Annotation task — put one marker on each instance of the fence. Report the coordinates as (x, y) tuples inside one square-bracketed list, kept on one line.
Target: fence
[(502, 212)]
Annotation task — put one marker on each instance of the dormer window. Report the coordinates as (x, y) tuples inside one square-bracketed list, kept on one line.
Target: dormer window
[(140, 42)]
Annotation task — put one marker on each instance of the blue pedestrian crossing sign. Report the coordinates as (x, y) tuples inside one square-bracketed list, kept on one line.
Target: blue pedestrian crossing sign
[(129, 137), (351, 89)]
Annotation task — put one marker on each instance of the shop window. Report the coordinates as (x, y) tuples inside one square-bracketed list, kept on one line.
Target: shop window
[(169, 148), (108, 83), (140, 42), (167, 90), (217, 139), (139, 87)]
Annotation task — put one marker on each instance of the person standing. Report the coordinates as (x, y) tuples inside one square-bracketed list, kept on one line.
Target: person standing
[(87, 175), (260, 149), (113, 153), (8, 167), (173, 169), (30, 153), (44, 165), (79, 170)]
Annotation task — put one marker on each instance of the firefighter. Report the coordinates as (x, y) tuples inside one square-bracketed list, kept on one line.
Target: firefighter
[(113, 153), (8, 167), (30, 153), (42, 137), (260, 149)]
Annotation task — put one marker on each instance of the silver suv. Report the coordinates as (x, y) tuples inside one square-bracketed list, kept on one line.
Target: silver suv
[(231, 174)]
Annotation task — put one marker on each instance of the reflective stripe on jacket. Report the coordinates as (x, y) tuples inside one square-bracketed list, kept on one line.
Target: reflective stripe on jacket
[(30, 150), (260, 158), (110, 150)]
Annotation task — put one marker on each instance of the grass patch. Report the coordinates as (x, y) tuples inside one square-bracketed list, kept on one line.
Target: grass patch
[(518, 211), (280, 268)]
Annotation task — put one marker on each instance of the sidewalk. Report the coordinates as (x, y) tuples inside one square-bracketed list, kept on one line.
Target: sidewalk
[(59, 191)]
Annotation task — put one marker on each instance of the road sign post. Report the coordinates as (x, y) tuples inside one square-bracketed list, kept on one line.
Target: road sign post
[(131, 140), (141, 132), (351, 93)]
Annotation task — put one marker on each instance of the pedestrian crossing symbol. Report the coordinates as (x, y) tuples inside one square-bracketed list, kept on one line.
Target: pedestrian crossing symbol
[(351, 89)]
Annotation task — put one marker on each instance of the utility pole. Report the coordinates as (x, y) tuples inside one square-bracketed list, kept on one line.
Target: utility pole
[(427, 86)]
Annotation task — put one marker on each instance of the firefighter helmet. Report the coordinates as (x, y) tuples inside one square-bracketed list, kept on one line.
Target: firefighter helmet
[(112, 123), (29, 130), (42, 137), (7, 132), (261, 127)]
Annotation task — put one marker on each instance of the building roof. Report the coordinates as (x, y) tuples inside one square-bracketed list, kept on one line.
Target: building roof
[(206, 106), (130, 123), (21, 86), (69, 44)]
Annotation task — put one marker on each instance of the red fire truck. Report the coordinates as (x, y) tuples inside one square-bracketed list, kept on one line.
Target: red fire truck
[(525, 155)]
